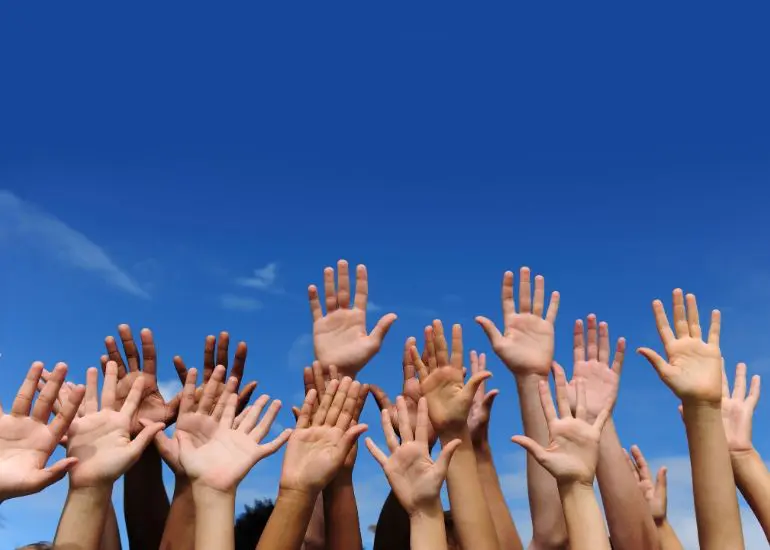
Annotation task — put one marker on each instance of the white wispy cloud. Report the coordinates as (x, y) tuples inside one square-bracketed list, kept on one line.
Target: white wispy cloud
[(264, 278), (301, 351), (27, 224), (169, 388), (239, 303), (371, 306)]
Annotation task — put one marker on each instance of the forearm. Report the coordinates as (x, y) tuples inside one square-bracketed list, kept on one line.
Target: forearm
[(82, 520), (507, 535), (585, 524), (549, 530), (179, 533), (470, 514), (111, 533), (341, 513), (753, 480), (667, 537), (315, 538), (427, 528), (145, 502), (392, 530), (716, 502), (215, 513), (628, 514), (288, 522)]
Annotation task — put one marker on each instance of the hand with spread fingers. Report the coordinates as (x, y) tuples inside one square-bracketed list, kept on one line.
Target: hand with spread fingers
[(656, 494), (738, 410), (340, 336), (573, 452), (100, 440), (319, 446), (694, 367), (215, 353), (411, 391), (441, 380), (481, 409), (27, 440), (211, 449), (592, 365), (527, 343)]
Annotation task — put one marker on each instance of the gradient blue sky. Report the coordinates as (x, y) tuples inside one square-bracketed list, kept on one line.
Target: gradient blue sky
[(153, 156)]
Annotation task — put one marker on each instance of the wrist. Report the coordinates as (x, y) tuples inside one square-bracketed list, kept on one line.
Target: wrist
[(483, 450), (739, 456), (428, 510), (205, 495), (527, 381), (574, 488), (297, 495), (95, 493), (450, 433)]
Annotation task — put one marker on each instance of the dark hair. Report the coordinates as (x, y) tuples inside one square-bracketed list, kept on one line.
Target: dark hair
[(251, 523), (37, 546)]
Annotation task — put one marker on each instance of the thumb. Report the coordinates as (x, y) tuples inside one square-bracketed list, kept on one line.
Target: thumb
[(52, 474), (380, 397), (655, 360), (532, 447), (489, 399), (351, 436), (446, 456), (295, 411), (470, 388), (145, 437), (382, 327), (490, 329)]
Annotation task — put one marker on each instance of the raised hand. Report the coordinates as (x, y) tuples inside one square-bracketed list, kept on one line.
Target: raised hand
[(153, 406), (209, 447), (319, 446), (100, 440), (592, 365), (340, 336), (526, 345), (411, 391), (27, 440), (416, 480), (441, 380), (216, 353), (738, 410), (573, 452), (481, 409), (694, 367), (656, 494)]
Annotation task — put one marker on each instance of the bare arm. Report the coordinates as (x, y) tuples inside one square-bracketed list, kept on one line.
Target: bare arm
[(584, 518), (667, 537), (288, 522), (392, 526), (341, 513), (145, 502), (179, 533), (315, 537), (111, 534), (427, 528), (82, 520), (753, 481)]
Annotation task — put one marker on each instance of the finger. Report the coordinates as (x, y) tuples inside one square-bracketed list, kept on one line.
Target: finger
[(382, 327), (539, 302), (362, 288), (209, 351), (422, 369), (206, 404), (489, 399), (592, 350), (404, 426), (578, 344), (693, 321), (228, 412), (641, 463), (423, 421), (620, 355), (493, 334), (560, 383), (23, 402), (187, 403), (181, 368), (61, 422), (262, 429), (447, 452), (305, 411), (114, 355), (329, 290), (725, 383), (222, 402), (546, 401), (474, 362), (430, 348), (318, 378), (604, 343), (245, 396), (361, 401), (129, 346), (457, 347), (267, 449), (604, 414), (739, 388), (525, 291), (103, 360), (661, 321), (143, 440), (244, 413), (343, 285), (351, 436), (553, 307), (315, 303), (109, 387), (165, 445), (380, 397), (378, 455), (326, 401), (509, 304), (335, 409), (48, 476), (656, 361), (223, 349), (249, 422), (753, 397), (442, 351), (390, 433), (474, 383), (45, 401), (408, 363), (661, 484), (348, 407), (630, 463), (149, 354), (334, 373), (715, 328), (131, 404), (532, 447), (580, 410), (680, 316)]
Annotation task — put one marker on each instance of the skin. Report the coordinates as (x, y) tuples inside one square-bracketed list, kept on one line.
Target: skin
[(526, 347), (478, 425), (449, 402), (628, 518), (215, 450), (693, 372), (101, 442), (340, 337), (571, 457), (415, 478), (315, 453), (27, 439)]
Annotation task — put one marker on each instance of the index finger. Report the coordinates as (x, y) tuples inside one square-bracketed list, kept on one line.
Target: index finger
[(149, 354)]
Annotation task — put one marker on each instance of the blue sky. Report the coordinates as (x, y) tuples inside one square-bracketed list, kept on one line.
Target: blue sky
[(150, 159)]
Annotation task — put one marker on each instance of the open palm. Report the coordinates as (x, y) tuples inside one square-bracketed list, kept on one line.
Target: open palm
[(340, 336), (527, 345), (738, 410)]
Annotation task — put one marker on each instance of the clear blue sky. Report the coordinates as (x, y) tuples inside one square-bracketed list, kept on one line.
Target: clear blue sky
[(152, 156)]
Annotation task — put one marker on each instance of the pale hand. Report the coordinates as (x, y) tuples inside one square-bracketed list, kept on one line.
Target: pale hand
[(481, 408), (738, 411), (313, 457), (101, 443)]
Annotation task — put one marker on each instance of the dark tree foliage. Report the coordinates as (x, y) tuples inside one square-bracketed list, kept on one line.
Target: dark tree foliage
[(251, 523)]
